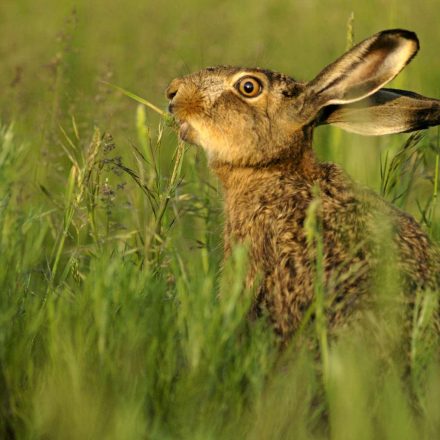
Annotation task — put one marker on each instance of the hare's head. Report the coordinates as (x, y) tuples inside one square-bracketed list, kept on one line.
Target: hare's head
[(249, 117), (237, 115)]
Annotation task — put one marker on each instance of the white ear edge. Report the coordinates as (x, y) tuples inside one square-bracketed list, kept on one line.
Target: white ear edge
[(370, 129), (391, 66)]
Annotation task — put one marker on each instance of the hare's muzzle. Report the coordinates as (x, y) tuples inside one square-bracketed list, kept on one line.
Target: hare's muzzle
[(171, 92), (173, 88)]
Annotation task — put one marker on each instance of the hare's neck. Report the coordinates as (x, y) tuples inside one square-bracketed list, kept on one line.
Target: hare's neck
[(235, 178), (254, 195)]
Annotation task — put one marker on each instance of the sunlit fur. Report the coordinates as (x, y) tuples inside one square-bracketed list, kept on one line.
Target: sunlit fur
[(234, 129), (261, 149)]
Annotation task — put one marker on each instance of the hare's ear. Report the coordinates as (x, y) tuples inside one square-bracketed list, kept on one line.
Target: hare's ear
[(360, 72), (386, 111)]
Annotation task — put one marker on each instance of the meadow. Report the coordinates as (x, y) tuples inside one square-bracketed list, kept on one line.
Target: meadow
[(116, 321)]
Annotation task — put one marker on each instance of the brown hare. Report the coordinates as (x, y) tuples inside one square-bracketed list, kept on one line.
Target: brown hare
[(256, 127)]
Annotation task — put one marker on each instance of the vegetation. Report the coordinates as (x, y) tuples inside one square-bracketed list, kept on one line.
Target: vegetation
[(115, 320)]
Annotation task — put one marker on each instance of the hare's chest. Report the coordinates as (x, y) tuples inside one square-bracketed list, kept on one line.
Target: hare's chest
[(264, 219), (246, 224)]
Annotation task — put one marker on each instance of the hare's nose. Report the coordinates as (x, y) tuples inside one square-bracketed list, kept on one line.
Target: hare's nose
[(172, 89)]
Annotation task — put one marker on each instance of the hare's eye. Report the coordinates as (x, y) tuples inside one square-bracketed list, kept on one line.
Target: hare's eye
[(249, 86)]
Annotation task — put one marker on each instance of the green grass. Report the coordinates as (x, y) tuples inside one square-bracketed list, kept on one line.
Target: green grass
[(115, 319)]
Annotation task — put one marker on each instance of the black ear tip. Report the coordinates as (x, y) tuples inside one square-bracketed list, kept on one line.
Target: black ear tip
[(401, 33)]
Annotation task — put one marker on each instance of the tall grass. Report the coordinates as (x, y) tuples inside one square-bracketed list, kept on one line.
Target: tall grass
[(115, 318)]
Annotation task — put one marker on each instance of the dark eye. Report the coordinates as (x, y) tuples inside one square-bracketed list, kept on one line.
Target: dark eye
[(249, 86)]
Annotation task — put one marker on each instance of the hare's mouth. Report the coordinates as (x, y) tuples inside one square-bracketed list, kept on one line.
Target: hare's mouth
[(184, 130), (187, 132)]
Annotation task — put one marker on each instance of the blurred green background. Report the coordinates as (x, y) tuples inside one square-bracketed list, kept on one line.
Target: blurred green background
[(55, 53), (110, 245)]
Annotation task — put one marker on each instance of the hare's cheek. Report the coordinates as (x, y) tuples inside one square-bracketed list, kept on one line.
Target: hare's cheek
[(212, 141)]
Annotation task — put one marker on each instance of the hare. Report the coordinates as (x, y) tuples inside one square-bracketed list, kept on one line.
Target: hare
[(256, 127)]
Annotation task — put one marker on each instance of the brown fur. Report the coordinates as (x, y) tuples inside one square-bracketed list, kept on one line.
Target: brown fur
[(261, 149), (268, 208)]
